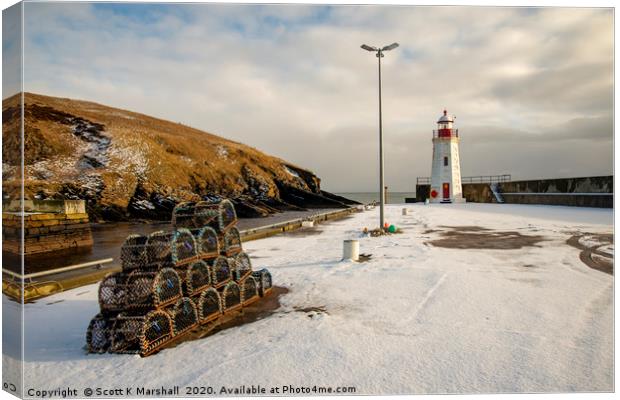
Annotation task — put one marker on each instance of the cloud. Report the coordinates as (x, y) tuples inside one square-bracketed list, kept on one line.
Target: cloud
[(11, 50), (291, 80)]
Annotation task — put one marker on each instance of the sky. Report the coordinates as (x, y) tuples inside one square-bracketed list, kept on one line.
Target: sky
[(531, 88)]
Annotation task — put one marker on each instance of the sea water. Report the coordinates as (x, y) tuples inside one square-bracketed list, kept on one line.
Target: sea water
[(369, 197)]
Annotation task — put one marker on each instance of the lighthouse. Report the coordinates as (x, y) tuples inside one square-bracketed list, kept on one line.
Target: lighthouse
[(446, 170)]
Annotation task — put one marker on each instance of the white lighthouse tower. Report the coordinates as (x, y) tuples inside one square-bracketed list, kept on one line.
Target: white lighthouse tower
[(446, 172)]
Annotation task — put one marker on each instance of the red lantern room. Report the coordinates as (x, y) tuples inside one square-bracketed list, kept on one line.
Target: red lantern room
[(444, 127)]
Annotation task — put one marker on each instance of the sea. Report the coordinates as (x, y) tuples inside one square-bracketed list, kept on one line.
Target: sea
[(369, 197)]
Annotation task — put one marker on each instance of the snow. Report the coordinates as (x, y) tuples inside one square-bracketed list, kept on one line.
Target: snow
[(291, 172), (595, 242), (413, 319), (222, 151), (143, 204), (609, 249), (129, 154)]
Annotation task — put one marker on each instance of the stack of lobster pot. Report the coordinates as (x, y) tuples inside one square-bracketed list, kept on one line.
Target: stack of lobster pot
[(174, 282)]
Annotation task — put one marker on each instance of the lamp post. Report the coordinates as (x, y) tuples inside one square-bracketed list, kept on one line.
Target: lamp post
[(379, 52)]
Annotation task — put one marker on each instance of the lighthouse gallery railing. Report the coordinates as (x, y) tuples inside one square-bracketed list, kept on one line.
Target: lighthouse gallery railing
[(472, 179)]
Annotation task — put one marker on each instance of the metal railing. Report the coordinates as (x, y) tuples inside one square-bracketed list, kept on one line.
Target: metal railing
[(97, 263), (487, 179), (425, 180)]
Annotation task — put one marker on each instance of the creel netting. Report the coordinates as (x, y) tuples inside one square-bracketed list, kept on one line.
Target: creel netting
[(184, 315), (133, 252), (206, 240), (183, 247), (242, 266), (249, 289), (263, 277), (148, 290), (232, 242), (221, 272), (98, 334), (231, 296), (209, 304), (197, 277)]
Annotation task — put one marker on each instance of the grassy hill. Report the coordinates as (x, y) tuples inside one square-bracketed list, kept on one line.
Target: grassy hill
[(130, 165)]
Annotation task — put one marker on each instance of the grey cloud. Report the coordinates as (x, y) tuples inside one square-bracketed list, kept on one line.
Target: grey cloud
[(292, 81)]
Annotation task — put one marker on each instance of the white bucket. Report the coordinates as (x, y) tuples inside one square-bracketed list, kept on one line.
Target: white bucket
[(307, 224), (406, 211), (351, 250), (426, 201)]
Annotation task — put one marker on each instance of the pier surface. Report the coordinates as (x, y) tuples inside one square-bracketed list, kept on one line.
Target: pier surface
[(471, 298)]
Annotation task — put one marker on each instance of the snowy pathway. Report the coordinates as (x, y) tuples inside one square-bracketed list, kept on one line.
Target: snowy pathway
[(414, 319)]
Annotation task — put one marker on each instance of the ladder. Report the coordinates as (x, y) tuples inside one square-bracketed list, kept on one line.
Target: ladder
[(496, 192)]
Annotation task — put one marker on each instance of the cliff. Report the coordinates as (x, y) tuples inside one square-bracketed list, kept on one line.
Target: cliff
[(129, 165)]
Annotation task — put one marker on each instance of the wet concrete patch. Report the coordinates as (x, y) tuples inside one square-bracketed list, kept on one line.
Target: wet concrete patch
[(474, 237), (591, 255), (466, 228), (311, 312)]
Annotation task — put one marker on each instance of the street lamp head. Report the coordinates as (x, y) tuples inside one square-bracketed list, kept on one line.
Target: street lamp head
[(369, 48), (390, 47)]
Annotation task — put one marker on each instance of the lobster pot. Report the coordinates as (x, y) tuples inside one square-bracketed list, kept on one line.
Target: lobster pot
[(133, 252), (159, 250), (231, 297), (206, 240), (221, 272), (232, 242), (249, 290), (205, 214), (184, 315), (183, 247), (197, 278), (142, 333), (219, 216), (227, 215), (99, 334), (113, 293), (147, 290), (264, 281), (209, 305), (242, 266), (183, 215)]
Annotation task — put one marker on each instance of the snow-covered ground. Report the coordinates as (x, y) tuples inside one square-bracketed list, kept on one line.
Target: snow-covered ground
[(413, 319)]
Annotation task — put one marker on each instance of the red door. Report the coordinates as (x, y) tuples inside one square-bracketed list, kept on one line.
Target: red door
[(446, 190)]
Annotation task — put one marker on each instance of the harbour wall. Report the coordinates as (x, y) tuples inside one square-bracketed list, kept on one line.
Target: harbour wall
[(594, 191), (46, 226)]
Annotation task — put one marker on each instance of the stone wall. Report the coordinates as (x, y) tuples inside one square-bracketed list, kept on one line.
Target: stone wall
[(595, 191), (600, 201), (48, 225), (45, 232), (593, 184), (478, 193), (49, 206)]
